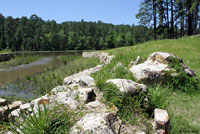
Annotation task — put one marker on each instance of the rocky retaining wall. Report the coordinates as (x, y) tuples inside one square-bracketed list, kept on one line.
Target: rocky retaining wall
[(99, 118)]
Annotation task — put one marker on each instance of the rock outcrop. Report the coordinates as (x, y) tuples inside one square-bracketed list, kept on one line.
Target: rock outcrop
[(102, 56), (128, 86), (155, 68)]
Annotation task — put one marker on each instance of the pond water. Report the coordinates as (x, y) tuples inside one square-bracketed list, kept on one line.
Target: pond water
[(48, 59)]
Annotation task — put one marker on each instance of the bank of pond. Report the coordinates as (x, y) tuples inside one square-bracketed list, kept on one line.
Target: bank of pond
[(31, 74)]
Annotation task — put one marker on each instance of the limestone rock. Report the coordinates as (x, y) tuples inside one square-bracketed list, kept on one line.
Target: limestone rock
[(59, 89), (86, 81), (94, 123), (155, 68), (2, 102), (161, 118), (103, 56), (130, 86), (67, 98), (76, 77), (135, 62), (86, 94), (5, 110)]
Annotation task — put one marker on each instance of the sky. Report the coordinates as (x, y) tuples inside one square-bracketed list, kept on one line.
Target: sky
[(108, 11)]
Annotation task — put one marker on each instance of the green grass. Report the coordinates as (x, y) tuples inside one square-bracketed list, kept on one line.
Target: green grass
[(5, 51), (18, 61), (182, 105)]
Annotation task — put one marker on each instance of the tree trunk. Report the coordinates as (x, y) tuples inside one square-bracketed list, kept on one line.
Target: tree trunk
[(196, 17), (167, 3), (182, 21), (154, 18), (189, 5), (172, 20)]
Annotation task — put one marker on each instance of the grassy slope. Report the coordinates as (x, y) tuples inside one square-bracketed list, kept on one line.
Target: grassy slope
[(183, 108)]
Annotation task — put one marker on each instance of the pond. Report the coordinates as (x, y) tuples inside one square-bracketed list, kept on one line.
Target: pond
[(10, 78)]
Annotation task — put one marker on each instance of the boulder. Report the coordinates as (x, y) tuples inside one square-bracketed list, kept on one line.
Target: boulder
[(162, 121), (155, 68), (2, 102), (130, 86), (102, 56), (67, 98), (86, 81), (95, 123), (76, 77)]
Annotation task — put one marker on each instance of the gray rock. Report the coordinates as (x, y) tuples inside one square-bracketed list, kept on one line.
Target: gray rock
[(162, 121), (130, 86)]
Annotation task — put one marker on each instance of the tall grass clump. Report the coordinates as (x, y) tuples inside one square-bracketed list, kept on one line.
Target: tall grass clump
[(58, 120)]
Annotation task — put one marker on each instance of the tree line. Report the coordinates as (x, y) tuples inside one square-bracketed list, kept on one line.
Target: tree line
[(36, 34), (170, 18)]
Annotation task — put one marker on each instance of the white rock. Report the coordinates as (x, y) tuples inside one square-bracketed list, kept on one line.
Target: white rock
[(69, 80), (86, 81), (102, 56), (86, 94), (59, 89), (130, 86), (155, 68), (67, 98), (161, 118), (94, 123), (2, 102), (94, 104), (15, 113)]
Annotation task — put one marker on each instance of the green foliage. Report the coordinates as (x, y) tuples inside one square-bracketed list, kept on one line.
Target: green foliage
[(18, 60), (5, 51), (181, 81), (44, 121), (158, 97)]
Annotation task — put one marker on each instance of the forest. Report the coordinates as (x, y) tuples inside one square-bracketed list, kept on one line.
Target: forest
[(158, 19), (35, 34), (170, 18)]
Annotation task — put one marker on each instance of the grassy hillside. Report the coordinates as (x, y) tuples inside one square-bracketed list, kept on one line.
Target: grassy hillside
[(183, 107), (187, 48)]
